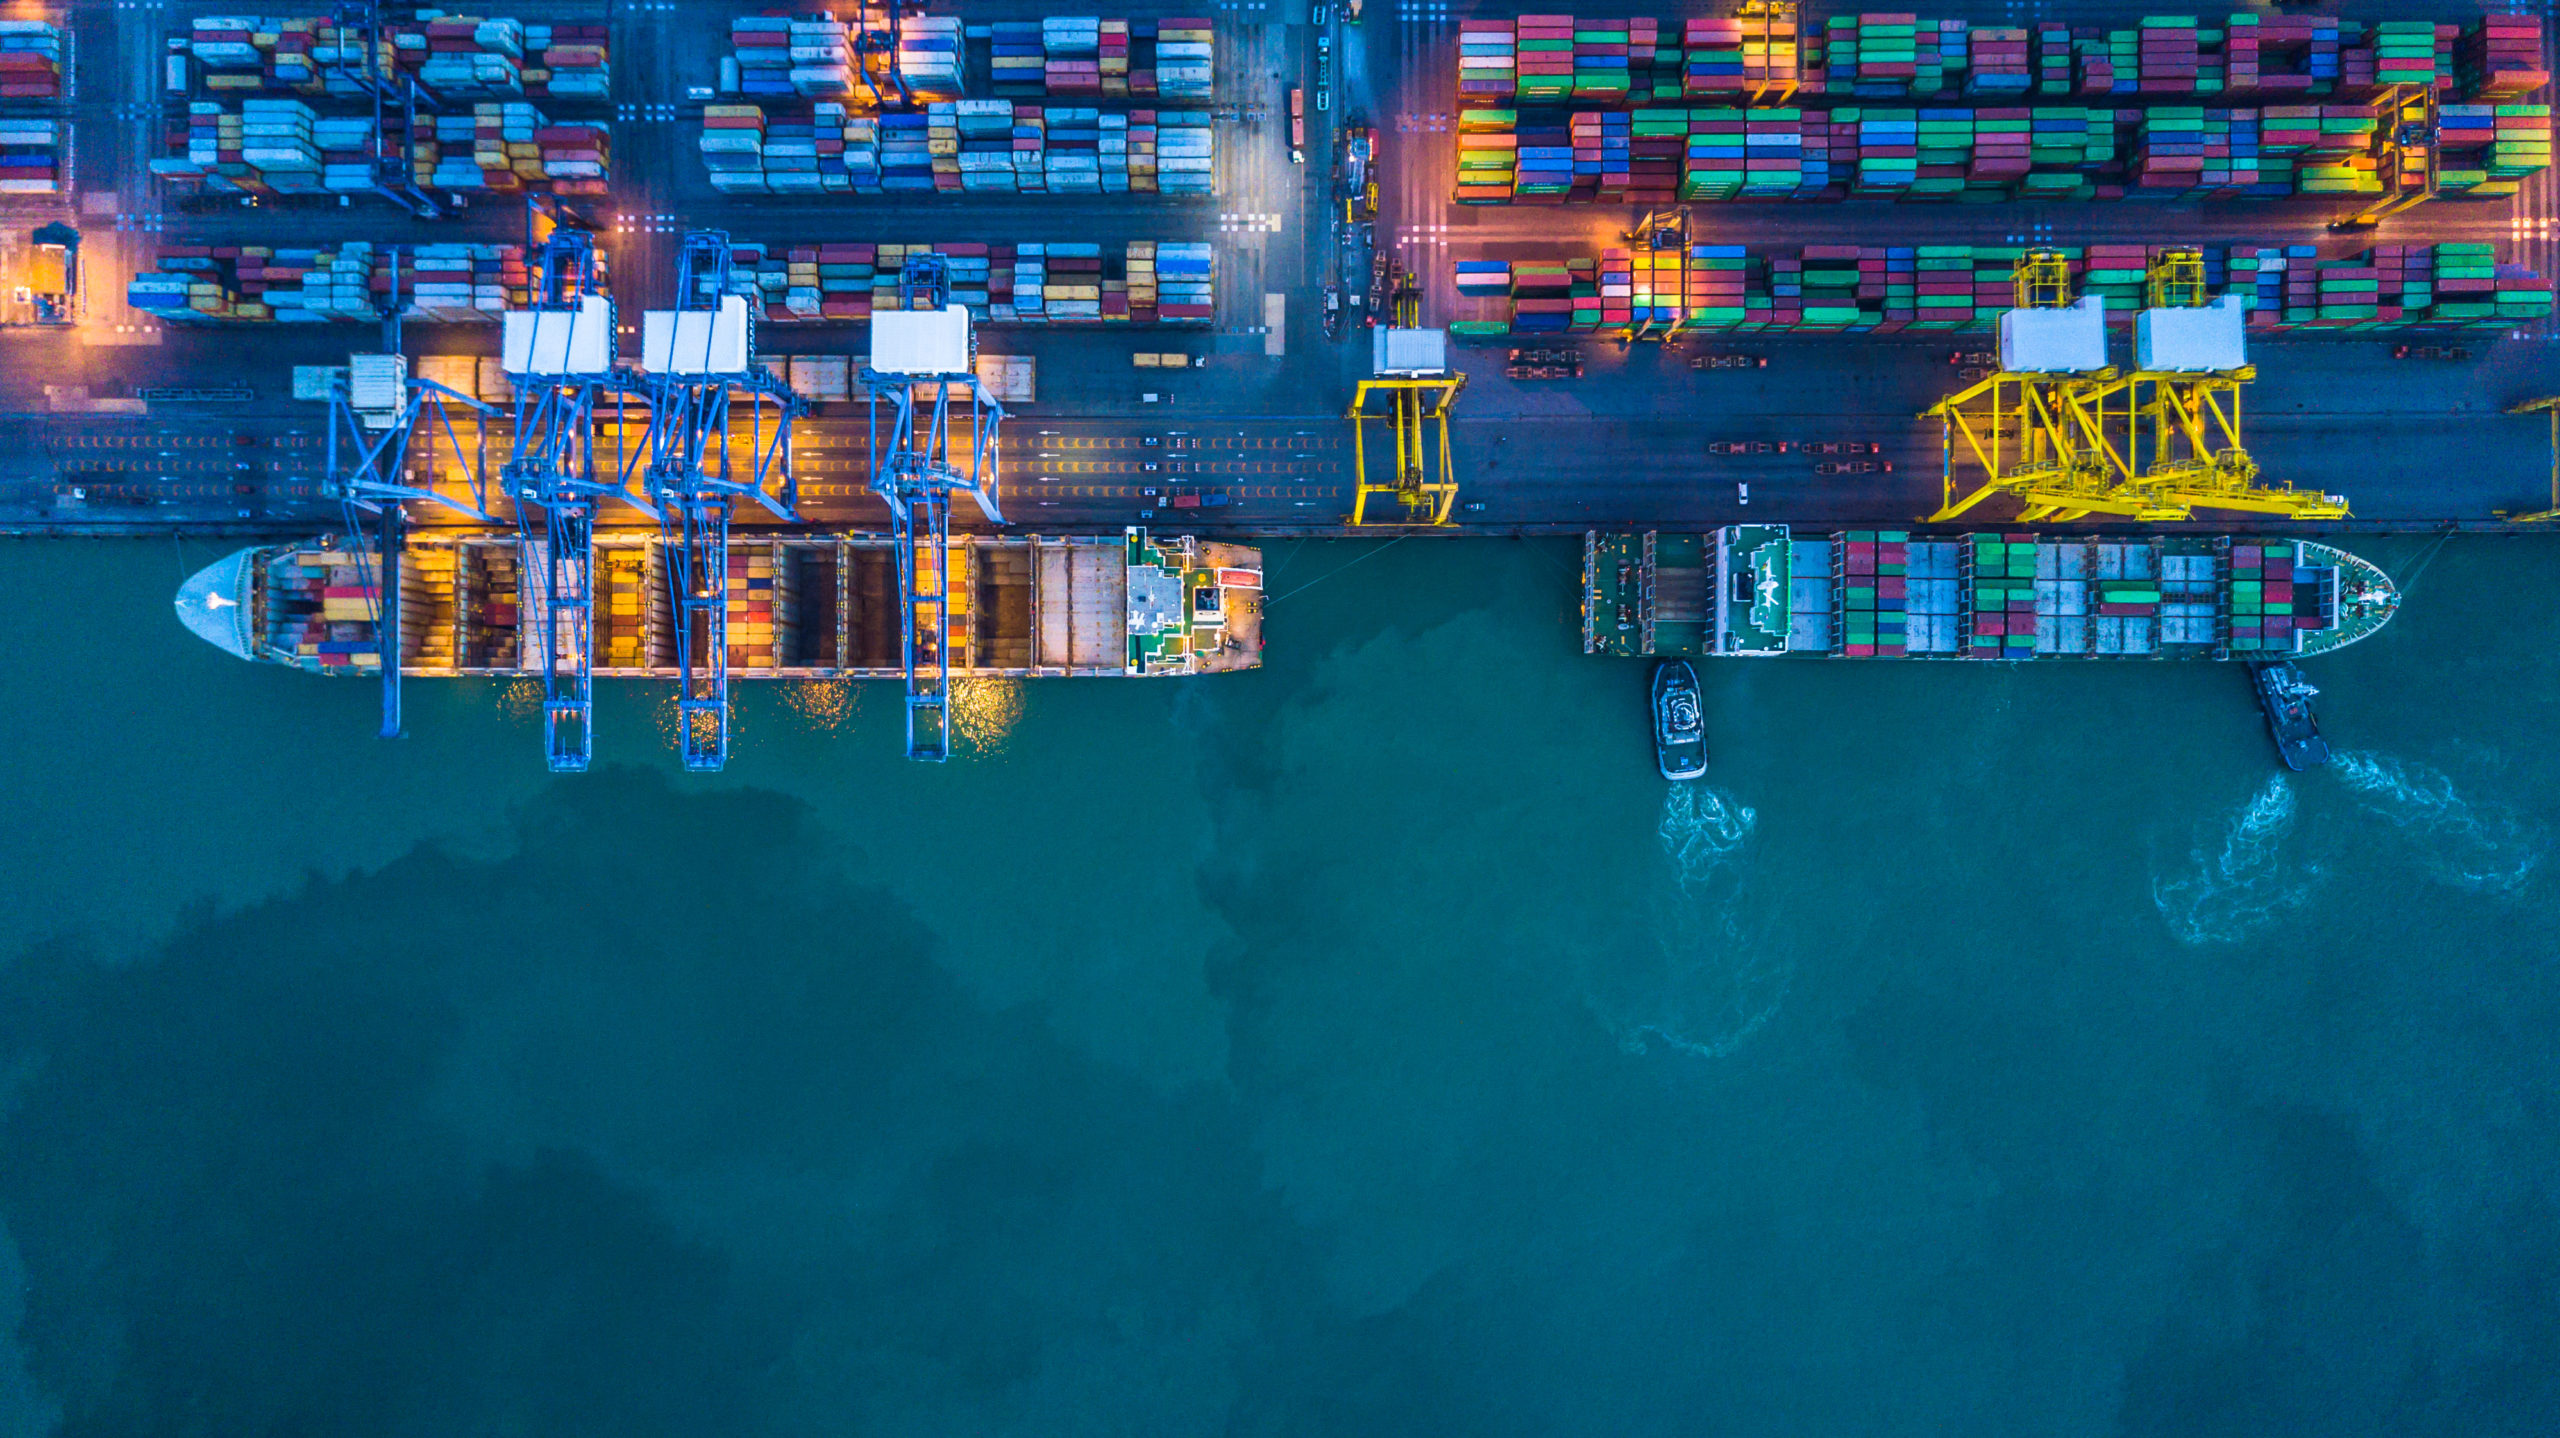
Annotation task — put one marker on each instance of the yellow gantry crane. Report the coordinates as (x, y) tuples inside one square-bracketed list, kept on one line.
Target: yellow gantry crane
[(2070, 436), (1769, 32), (1661, 259), (2407, 153), (2549, 405), (1412, 374)]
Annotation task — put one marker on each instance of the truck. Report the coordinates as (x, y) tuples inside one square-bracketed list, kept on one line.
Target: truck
[(53, 275), (1353, 175), (1297, 124)]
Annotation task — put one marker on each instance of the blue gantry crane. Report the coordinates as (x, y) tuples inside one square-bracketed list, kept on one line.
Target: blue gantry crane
[(376, 468), (559, 357), (701, 365), (360, 63), (924, 347)]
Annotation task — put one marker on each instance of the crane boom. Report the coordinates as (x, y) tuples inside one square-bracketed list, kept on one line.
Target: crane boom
[(925, 345), (701, 362), (558, 354)]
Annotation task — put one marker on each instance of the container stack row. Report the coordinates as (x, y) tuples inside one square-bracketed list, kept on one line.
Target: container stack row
[(324, 612), (960, 147), (1883, 289), (1087, 56), (1558, 59), (1657, 155), (269, 146), (30, 155), (456, 58), (452, 282), (758, 606), (1873, 593), (1067, 57), (1141, 282), (2076, 597), (1881, 594), (2501, 58), (500, 147), (2267, 595), (30, 60), (2000, 574)]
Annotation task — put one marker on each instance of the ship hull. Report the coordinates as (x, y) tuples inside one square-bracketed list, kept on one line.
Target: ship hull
[(1765, 591), (803, 607)]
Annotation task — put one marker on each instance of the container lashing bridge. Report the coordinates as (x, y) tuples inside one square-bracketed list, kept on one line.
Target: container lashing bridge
[(925, 347), (2070, 436), (559, 357), (700, 358)]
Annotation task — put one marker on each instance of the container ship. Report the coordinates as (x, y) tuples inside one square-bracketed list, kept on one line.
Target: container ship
[(800, 607), (1762, 591)]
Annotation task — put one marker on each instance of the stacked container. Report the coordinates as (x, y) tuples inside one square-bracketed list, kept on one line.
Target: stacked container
[(757, 609), (1185, 59), (1555, 59), (2053, 152), (2501, 58), (1871, 594), (30, 156), (1883, 289), (456, 58), (960, 147), (2262, 597), (1143, 282), (323, 609), (30, 60), (1488, 61), (929, 56), (513, 146), (2000, 587)]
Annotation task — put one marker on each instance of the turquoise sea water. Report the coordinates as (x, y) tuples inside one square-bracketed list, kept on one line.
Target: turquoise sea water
[(1370, 1044)]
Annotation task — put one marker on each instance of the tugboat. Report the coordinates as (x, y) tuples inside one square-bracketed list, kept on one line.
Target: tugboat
[(1679, 730), (2286, 696)]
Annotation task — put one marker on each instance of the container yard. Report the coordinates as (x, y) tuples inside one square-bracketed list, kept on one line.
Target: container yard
[(1975, 335)]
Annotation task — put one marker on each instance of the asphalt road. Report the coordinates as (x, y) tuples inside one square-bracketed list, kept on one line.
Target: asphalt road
[(1629, 443)]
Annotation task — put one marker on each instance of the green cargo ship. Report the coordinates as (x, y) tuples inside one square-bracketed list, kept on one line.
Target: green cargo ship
[(1763, 591)]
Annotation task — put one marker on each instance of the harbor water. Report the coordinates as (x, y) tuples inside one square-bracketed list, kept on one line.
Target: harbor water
[(1369, 1043)]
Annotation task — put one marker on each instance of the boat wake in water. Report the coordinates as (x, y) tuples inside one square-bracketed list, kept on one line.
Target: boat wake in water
[(2479, 847), (1713, 984), (2232, 890)]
